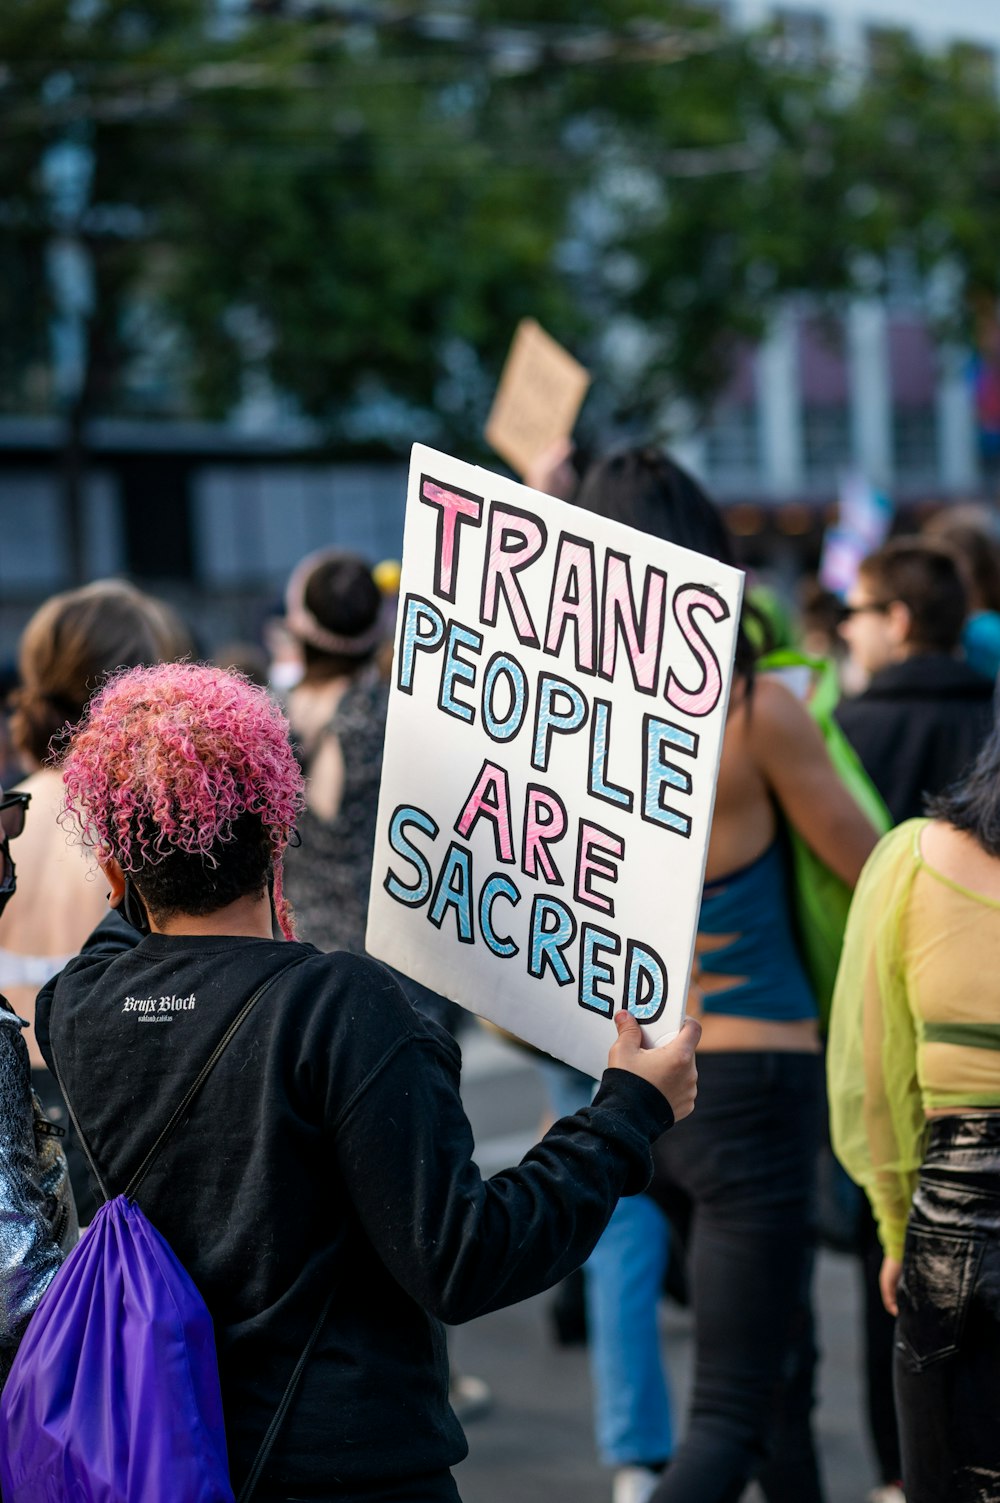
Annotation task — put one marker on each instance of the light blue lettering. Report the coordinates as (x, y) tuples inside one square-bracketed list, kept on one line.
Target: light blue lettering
[(412, 639), (417, 892), (495, 887), (548, 943)]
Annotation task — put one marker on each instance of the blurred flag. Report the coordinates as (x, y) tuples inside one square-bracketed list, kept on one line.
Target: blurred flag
[(864, 517)]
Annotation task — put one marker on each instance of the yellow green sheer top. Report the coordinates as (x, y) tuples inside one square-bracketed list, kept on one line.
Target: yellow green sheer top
[(915, 1021)]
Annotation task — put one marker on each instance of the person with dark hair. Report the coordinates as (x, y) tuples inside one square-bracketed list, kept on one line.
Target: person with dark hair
[(323, 1180), (746, 1167), (914, 1077), (67, 648), (925, 712), (333, 609)]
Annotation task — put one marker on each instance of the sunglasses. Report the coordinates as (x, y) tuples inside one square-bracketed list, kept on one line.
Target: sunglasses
[(12, 810), (847, 612)]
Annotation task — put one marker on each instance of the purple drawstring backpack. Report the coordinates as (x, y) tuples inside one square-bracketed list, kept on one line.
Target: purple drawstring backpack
[(114, 1393)]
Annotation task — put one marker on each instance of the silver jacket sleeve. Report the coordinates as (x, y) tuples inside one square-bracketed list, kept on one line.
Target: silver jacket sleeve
[(38, 1224)]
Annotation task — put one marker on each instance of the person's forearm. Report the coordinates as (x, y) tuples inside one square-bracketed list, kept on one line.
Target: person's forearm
[(462, 1246)]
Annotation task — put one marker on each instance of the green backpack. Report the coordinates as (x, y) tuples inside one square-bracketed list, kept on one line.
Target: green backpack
[(821, 898)]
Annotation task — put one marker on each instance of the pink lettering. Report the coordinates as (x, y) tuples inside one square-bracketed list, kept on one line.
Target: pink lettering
[(541, 832), (516, 539), (703, 699), (455, 508), (572, 600), (642, 632), (490, 799), (592, 862)]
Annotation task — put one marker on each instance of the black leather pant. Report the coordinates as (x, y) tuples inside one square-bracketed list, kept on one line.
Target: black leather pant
[(947, 1358)]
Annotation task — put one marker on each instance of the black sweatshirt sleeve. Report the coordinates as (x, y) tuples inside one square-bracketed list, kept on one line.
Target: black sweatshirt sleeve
[(462, 1246)]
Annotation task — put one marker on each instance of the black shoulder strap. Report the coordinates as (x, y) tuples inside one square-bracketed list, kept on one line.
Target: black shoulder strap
[(267, 1444), (189, 1096)]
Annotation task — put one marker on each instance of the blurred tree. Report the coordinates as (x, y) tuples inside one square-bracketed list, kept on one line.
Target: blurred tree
[(730, 169), (346, 208), (385, 213), (84, 86), (919, 163), (278, 205), (708, 192)]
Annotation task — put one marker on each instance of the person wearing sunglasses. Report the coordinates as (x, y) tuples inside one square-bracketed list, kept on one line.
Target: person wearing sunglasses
[(13, 807), (925, 713), (38, 1223)]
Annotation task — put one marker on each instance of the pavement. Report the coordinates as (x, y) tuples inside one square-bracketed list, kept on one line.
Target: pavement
[(536, 1443)]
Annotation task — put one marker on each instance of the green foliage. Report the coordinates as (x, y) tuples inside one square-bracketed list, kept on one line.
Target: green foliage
[(922, 144), (366, 219), (363, 212)]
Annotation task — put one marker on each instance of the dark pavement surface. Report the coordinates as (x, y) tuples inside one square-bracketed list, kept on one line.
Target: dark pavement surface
[(536, 1444)]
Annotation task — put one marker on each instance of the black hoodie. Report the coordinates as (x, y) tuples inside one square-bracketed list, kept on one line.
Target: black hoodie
[(917, 727), (328, 1151)]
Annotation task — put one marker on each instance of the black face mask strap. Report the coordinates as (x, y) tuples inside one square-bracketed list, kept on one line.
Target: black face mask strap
[(133, 909)]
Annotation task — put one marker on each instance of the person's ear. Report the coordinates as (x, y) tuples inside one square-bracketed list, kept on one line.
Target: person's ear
[(899, 618), (115, 879)]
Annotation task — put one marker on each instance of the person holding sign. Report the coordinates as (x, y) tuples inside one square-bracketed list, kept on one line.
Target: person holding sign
[(328, 1157), (747, 1163)]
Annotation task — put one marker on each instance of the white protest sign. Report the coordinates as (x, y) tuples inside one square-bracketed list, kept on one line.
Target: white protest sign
[(559, 694)]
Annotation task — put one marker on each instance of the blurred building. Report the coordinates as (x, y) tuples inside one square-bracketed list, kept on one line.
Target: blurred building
[(211, 517), (870, 388)]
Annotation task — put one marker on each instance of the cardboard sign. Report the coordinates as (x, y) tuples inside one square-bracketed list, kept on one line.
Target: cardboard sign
[(559, 695), (540, 394)]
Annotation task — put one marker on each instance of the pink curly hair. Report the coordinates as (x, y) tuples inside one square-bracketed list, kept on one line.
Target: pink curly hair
[(182, 750)]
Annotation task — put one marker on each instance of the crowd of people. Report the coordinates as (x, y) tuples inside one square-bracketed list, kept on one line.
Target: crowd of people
[(233, 823)]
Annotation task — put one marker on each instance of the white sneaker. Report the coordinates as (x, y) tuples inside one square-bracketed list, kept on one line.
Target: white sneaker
[(469, 1397), (890, 1493), (633, 1484)]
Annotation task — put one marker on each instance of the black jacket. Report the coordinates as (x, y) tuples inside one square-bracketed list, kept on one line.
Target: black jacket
[(328, 1150), (917, 727)]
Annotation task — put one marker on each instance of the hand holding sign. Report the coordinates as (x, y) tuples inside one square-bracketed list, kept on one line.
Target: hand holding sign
[(559, 695), (670, 1067)]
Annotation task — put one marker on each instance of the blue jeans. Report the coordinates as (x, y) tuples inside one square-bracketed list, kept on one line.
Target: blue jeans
[(746, 1160), (625, 1276)]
